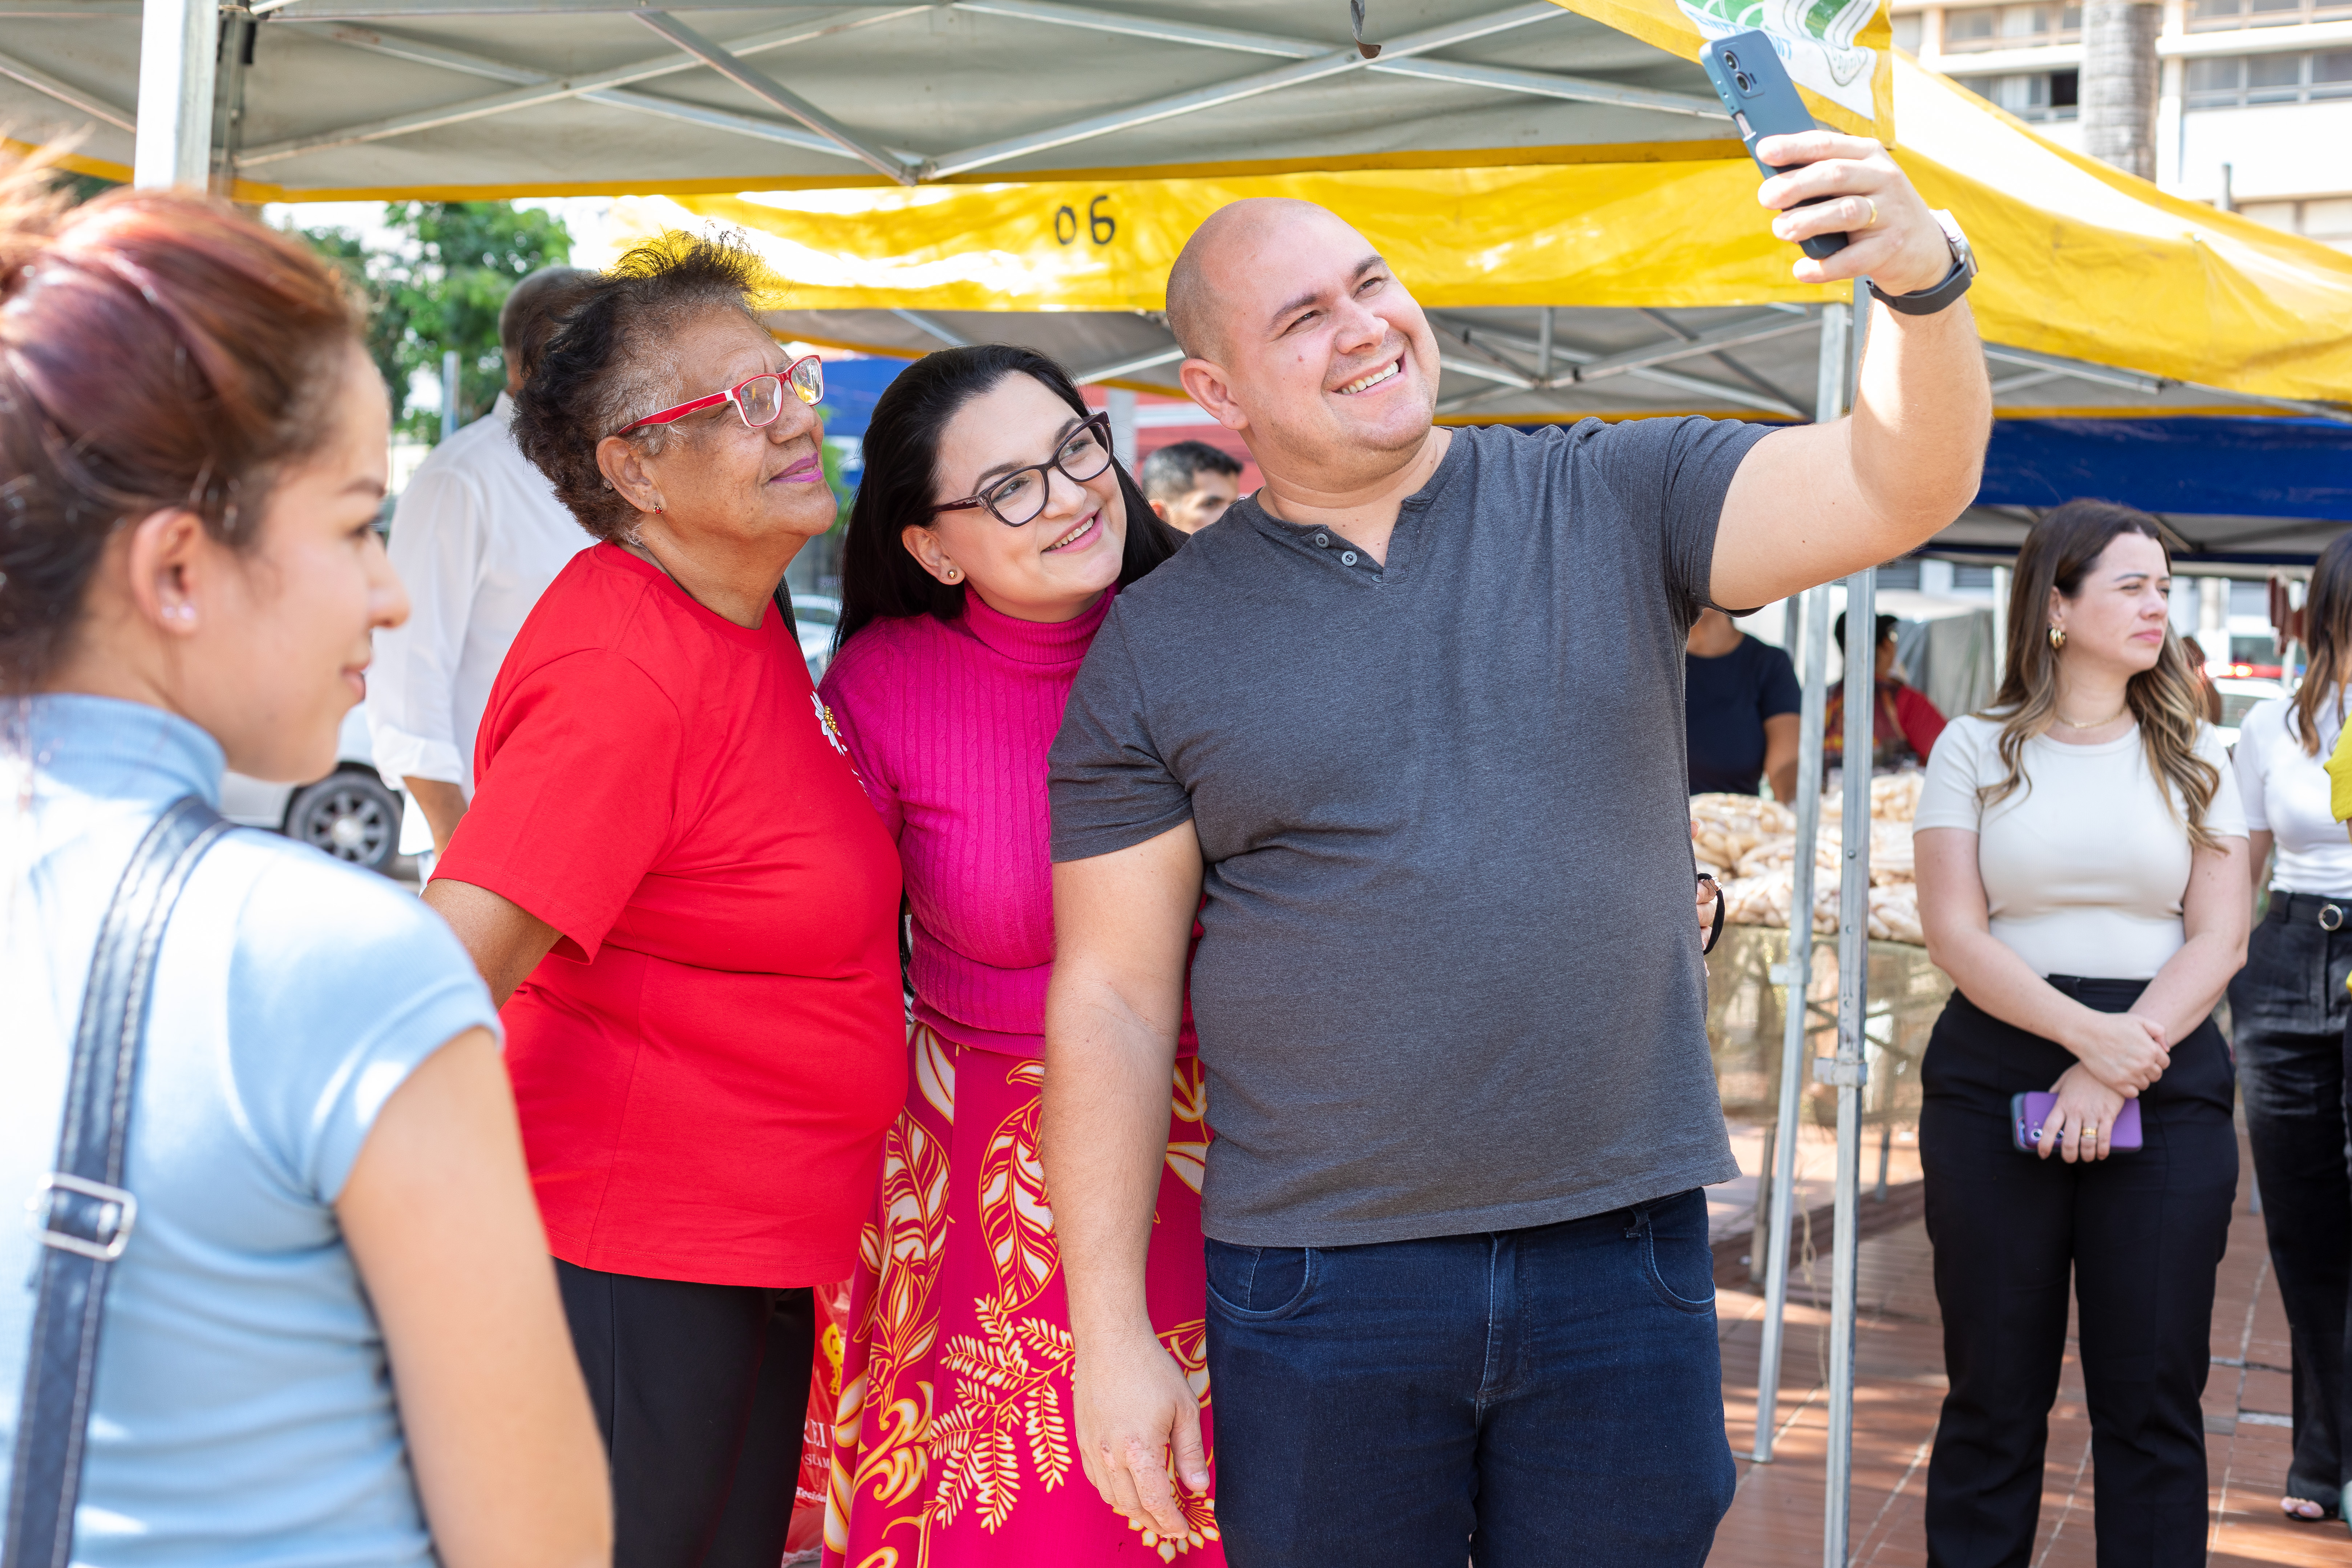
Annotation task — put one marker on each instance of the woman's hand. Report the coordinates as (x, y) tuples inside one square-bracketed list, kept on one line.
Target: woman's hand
[(2124, 1051), (2083, 1120)]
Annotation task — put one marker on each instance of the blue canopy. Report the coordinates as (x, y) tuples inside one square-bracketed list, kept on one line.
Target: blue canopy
[(2234, 468), (851, 386)]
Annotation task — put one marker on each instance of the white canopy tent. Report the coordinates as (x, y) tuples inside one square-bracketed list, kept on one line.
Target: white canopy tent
[(350, 98)]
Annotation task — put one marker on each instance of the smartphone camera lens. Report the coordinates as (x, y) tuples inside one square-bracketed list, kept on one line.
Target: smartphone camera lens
[(1743, 81)]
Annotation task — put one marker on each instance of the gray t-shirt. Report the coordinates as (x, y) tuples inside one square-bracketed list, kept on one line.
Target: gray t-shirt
[(1450, 980)]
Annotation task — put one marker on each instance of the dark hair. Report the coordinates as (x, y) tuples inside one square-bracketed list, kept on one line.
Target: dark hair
[(533, 310), (2327, 635), (605, 365), (2059, 551), (157, 350), (1886, 624), (1172, 470), (879, 581)]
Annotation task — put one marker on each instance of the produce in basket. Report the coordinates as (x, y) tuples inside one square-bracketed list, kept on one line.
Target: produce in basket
[(1778, 854), (1894, 914), (1726, 826), (1893, 798), (1763, 901)]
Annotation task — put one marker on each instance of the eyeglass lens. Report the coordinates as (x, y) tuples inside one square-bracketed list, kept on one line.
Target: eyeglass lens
[(808, 380), (1019, 497), (761, 399)]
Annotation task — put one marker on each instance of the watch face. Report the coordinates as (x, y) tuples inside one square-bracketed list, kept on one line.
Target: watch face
[(1961, 252)]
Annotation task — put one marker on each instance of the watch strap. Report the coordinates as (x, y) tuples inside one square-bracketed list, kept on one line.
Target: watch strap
[(1955, 283)]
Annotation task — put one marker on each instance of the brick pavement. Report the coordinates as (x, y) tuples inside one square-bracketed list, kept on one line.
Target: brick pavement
[(1776, 1517)]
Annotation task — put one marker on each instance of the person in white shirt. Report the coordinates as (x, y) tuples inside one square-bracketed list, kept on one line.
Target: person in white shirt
[(2288, 1010), (2081, 863), (476, 537)]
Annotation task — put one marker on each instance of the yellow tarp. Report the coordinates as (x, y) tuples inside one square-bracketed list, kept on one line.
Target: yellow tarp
[(2078, 259), (1838, 52)]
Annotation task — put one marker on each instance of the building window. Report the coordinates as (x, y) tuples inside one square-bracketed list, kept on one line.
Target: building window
[(1907, 32), (1966, 576), (1899, 575), (2036, 96), (2211, 15), (2012, 26), (2234, 81), (2328, 219)]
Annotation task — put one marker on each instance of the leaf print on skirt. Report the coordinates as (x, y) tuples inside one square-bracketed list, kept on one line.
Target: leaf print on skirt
[(954, 1443)]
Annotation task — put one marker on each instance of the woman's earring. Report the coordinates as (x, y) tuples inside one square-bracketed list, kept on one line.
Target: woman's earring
[(2057, 637), (954, 574)]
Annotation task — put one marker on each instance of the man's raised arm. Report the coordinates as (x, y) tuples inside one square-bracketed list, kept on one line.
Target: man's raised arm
[(1123, 924), (1819, 501)]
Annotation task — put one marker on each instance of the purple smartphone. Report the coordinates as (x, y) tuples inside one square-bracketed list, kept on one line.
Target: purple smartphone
[(2028, 1112)]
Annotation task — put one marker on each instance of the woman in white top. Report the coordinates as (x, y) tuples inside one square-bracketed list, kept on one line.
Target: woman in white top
[(2081, 864), (2288, 1010)]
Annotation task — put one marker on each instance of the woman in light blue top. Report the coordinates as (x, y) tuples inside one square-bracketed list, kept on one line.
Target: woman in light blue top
[(334, 1335)]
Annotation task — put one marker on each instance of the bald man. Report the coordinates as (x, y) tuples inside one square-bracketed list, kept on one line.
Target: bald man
[(1410, 716)]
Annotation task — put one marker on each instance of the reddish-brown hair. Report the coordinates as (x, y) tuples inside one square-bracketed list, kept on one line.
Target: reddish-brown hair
[(157, 350)]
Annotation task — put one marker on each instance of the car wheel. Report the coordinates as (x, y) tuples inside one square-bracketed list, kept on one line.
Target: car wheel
[(349, 815)]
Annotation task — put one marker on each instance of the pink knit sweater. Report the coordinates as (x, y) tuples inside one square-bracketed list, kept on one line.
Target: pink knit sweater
[(949, 723)]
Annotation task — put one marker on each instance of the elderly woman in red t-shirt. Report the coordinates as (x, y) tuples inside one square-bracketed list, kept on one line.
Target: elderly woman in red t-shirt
[(670, 865)]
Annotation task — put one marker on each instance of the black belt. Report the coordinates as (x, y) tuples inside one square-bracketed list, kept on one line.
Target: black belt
[(2327, 911)]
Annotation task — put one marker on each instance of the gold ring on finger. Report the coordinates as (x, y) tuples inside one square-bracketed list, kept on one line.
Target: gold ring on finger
[(1873, 213)]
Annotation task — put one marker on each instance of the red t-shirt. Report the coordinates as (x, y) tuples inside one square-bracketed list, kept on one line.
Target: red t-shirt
[(706, 1063)]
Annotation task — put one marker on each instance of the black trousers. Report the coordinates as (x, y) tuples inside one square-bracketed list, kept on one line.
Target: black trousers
[(2141, 1235), (2289, 1008), (700, 1390)]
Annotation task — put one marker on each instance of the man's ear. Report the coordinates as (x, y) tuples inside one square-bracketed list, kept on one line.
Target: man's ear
[(624, 470), (1159, 510), (1205, 381)]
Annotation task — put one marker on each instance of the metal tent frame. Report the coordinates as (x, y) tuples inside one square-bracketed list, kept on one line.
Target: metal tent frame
[(354, 96)]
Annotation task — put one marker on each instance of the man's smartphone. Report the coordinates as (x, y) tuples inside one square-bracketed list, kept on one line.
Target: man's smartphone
[(1755, 87)]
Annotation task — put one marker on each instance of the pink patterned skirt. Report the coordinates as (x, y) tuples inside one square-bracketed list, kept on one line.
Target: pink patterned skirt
[(955, 1444)]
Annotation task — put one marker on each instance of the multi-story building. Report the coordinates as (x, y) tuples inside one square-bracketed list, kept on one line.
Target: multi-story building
[(2255, 111)]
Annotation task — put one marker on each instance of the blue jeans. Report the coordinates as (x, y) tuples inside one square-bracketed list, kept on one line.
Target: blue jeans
[(1518, 1397)]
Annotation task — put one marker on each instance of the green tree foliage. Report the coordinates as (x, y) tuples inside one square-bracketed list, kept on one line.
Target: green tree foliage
[(441, 290)]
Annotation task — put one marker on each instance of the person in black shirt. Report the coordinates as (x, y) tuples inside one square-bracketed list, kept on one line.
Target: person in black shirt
[(1740, 699)]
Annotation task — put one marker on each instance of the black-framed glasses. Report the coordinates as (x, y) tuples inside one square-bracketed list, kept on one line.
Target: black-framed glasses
[(1018, 496)]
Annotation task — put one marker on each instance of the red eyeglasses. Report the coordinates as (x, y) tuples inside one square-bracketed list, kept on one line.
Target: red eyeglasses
[(760, 400)]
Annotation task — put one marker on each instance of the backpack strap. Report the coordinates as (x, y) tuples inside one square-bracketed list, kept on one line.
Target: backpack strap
[(82, 1215)]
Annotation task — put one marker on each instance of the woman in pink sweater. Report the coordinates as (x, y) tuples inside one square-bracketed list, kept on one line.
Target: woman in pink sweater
[(989, 536)]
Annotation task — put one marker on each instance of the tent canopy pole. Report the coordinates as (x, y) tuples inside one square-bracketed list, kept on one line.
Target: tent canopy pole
[(179, 41), (1849, 1071), (1830, 395)]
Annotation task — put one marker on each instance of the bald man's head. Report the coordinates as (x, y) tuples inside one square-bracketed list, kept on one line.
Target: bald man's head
[(1300, 337), (1226, 238)]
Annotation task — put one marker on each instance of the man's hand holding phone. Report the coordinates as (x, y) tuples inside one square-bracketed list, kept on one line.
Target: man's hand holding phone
[(1890, 236)]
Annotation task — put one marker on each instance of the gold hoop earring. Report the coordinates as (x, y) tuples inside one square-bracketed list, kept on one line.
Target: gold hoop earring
[(2057, 637)]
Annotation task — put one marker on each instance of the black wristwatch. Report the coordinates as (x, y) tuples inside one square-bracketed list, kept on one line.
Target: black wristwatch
[(1927, 301)]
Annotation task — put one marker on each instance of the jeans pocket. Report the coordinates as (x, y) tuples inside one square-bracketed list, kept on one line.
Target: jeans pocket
[(2285, 978), (1258, 1284), (1679, 1261)]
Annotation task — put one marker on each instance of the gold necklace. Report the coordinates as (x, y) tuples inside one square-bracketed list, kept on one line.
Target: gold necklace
[(2096, 723)]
